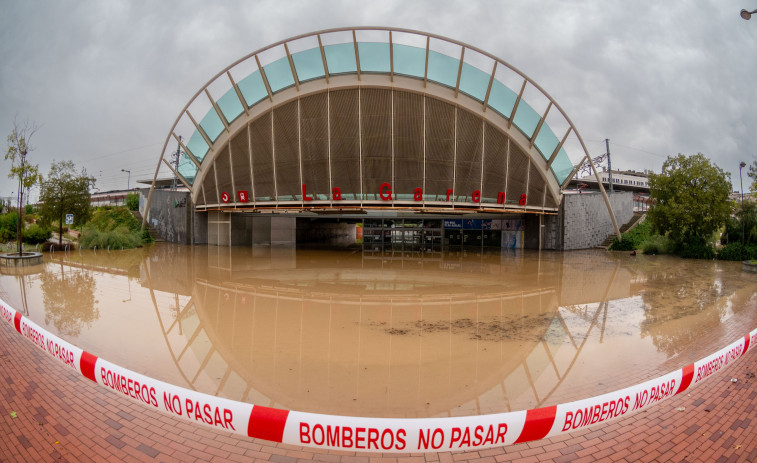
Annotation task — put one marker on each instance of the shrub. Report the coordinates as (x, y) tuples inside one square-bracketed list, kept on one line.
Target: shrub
[(110, 218), (132, 201), (114, 228), (633, 238), (35, 234), (737, 251), (116, 238), (146, 238), (656, 244), (696, 248), (8, 226), (29, 209), (742, 227), (625, 245)]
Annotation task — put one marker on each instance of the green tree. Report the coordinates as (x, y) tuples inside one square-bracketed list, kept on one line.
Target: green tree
[(690, 202), (65, 192), (27, 174), (69, 298), (132, 201), (753, 175), (742, 228)]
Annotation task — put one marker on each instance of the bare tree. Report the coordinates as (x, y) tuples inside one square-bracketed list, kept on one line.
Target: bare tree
[(27, 174)]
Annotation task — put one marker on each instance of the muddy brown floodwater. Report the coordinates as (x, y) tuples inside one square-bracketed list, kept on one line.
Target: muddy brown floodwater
[(386, 335)]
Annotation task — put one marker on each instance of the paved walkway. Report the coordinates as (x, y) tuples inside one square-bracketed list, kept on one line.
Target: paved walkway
[(48, 413)]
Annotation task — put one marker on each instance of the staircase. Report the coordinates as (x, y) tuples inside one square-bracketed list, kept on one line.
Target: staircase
[(635, 220), (150, 230)]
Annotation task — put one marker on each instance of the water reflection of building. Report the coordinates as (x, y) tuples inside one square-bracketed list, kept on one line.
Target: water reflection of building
[(363, 334), (234, 321)]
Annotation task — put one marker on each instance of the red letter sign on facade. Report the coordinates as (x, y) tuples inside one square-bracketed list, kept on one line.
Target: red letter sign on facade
[(418, 196), (385, 191), (225, 197), (523, 199), (305, 196), (476, 196), (242, 196), (336, 193)]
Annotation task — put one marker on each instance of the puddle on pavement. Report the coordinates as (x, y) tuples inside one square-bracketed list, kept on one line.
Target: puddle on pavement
[(396, 335)]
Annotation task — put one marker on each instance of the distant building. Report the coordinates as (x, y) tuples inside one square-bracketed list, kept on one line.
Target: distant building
[(622, 180)]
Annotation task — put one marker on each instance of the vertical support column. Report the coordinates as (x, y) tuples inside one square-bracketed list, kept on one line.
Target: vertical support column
[(541, 231)]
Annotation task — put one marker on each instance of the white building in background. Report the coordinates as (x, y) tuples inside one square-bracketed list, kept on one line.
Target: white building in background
[(626, 180)]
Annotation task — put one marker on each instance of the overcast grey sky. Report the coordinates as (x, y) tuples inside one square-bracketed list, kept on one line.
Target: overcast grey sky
[(106, 79)]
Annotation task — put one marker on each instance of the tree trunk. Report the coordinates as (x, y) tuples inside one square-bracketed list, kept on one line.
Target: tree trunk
[(20, 217)]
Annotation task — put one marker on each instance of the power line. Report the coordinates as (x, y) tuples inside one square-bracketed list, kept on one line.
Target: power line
[(641, 150), (123, 151)]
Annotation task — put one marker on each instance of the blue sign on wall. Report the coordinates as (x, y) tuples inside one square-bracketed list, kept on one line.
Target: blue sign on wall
[(472, 224), (453, 223)]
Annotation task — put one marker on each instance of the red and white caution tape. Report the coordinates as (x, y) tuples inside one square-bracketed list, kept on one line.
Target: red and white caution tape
[(374, 434)]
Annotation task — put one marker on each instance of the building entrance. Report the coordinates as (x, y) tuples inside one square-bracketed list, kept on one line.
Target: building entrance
[(412, 235)]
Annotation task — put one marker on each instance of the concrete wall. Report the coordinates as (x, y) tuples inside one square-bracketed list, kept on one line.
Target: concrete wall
[(585, 221), (283, 231), (200, 228), (219, 228), (170, 214), (261, 230), (241, 230)]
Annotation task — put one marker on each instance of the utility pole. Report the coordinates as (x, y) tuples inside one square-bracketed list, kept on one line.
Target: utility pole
[(175, 160), (609, 164)]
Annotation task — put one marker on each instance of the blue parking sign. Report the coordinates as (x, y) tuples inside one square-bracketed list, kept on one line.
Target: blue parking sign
[(69, 219)]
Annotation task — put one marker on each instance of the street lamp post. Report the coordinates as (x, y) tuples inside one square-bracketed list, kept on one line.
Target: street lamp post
[(747, 14), (128, 178), (742, 164)]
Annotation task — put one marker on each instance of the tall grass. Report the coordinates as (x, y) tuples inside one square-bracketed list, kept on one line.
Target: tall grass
[(112, 228), (116, 238), (656, 244), (633, 238)]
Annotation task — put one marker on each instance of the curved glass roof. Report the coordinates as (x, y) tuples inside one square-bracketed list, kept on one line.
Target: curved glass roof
[(394, 52)]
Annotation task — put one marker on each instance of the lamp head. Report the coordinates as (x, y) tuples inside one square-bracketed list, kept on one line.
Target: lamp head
[(742, 165), (746, 14)]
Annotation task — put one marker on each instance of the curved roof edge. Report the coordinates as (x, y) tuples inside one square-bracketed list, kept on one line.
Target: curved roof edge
[(476, 77)]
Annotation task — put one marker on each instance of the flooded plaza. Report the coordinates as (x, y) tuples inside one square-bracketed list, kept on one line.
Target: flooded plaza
[(386, 334)]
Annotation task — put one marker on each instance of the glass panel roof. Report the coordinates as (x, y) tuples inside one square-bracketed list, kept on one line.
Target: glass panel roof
[(502, 99), (562, 166), (374, 57), (546, 141), (340, 58), (409, 61), (526, 118), (212, 125), (197, 146), (308, 64), (230, 105), (474, 82), (252, 88), (279, 74), (187, 168), (442, 68)]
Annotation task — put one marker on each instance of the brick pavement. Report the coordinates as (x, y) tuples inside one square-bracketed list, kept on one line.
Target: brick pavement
[(50, 414)]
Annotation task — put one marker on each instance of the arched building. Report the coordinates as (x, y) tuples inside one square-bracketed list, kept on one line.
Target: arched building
[(376, 127)]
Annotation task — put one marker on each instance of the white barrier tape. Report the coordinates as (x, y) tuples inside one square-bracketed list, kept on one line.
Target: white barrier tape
[(405, 435)]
